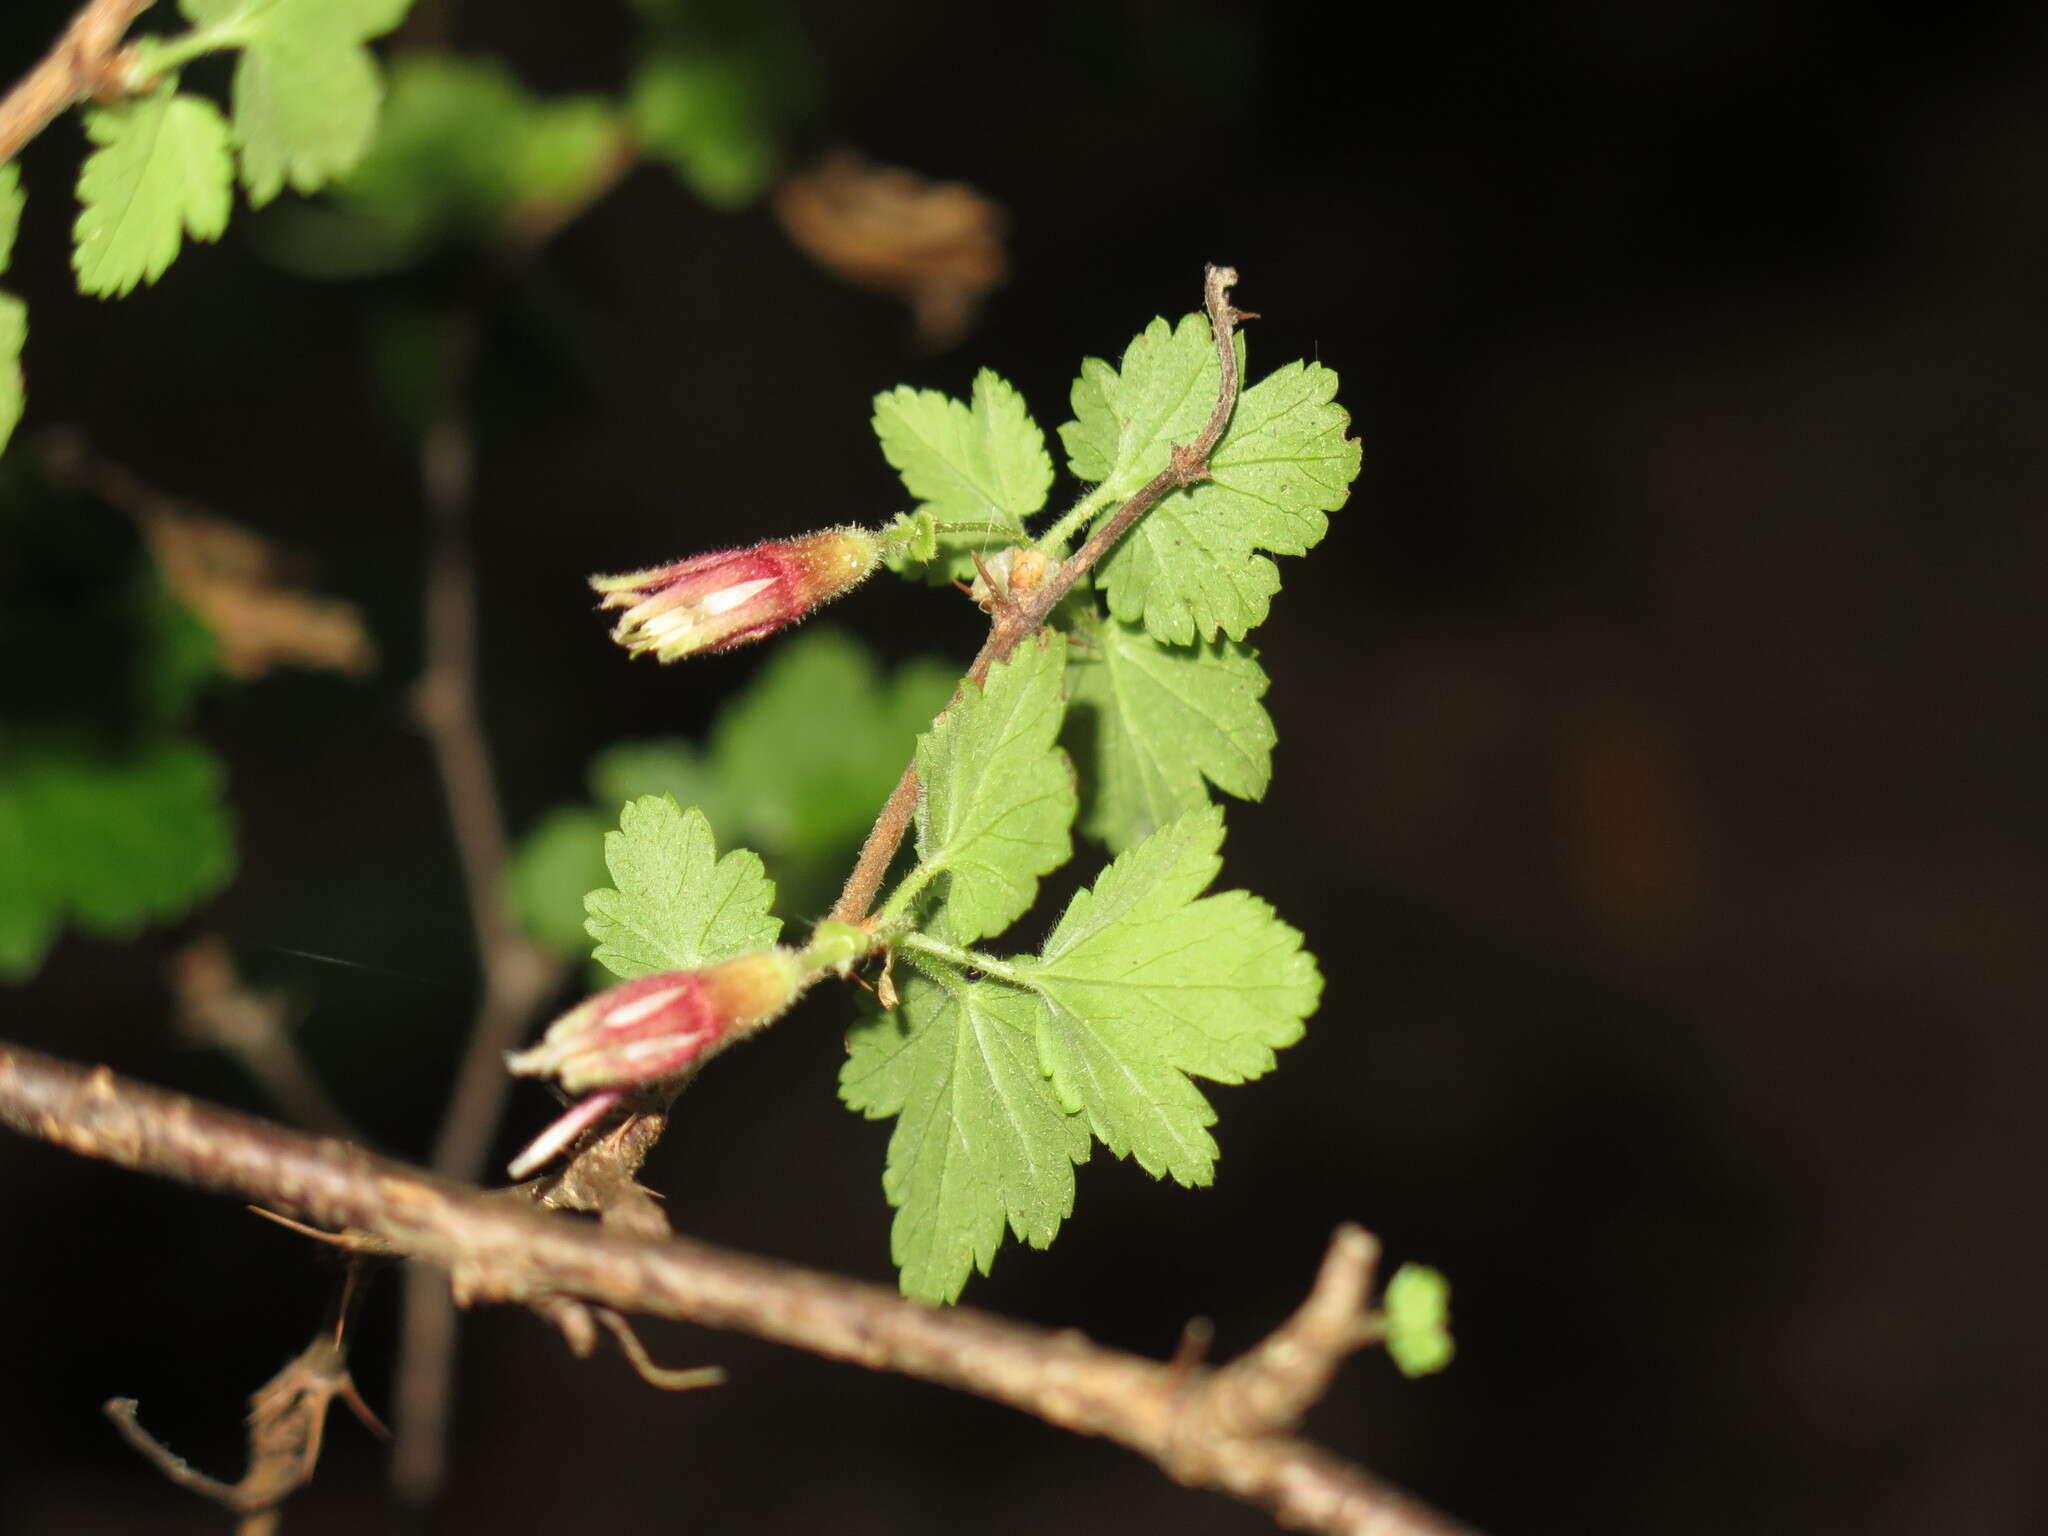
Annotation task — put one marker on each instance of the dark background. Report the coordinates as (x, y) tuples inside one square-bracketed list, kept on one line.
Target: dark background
[(1660, 776)]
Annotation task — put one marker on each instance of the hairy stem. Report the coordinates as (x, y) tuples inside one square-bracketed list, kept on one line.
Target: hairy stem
[(1230, 1428), (961, 959), (1072, 521), (1021, 616)]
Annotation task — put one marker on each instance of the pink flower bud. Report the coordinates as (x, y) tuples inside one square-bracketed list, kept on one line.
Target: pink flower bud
[(663, 1026), (717, 601)]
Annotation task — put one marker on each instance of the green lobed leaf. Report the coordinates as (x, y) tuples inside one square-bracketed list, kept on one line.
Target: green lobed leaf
[(1417, 1309), (982, 463), (677, 904), (998, 792), (243, 19), (161, 172), (980, 1142), (11, 200), (1159, 719), (304, 115), (1128, 418), (107, 842), (13, 386), (1192, 566), (1144, 983), (13, 313), (306, 92), (1147, 983)]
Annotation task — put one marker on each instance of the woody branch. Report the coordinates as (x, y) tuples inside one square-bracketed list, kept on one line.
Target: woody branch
[(1229, 1428)]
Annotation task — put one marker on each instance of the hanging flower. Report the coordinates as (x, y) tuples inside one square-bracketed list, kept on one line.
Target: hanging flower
[(665, 1025), (717, 601), (653, 1029)]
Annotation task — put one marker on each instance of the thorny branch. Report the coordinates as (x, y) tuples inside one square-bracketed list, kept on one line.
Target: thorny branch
[(1021, 614), (86, 61), (1228, 1428)]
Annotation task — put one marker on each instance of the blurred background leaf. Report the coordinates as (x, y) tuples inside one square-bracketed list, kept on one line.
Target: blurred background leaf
[(718, 86), (794, 768)]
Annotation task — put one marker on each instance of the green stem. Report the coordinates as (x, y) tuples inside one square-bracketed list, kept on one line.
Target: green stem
[(905, 893), (162, 55), (839, 947), (900, 536), (1055, 541), (962, 959)]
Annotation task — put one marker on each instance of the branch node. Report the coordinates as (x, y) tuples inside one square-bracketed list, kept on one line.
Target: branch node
[(1195, 1338), (77, 67), (1267, 1389)]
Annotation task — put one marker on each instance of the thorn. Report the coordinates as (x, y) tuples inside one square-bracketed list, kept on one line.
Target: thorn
[(994, 593), (351, 1242), (345, 1389)]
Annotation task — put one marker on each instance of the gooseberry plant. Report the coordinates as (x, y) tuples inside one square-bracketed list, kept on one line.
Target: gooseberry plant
[(1114, 706), (1003, 1070)]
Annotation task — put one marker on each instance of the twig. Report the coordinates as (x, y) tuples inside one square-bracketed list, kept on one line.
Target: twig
[(217, 1009), (1226, 1429), (1019, 616), (85, 61), (516, 976), (287, 1425)]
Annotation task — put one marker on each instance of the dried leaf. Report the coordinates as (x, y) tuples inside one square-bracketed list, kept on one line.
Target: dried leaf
[(235, 581), (938, 245), (240, 584)]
